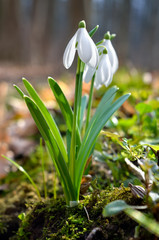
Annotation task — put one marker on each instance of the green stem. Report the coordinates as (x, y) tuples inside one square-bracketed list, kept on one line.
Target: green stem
[(73, 137), (90, 102), (43, 168), (80, 92)]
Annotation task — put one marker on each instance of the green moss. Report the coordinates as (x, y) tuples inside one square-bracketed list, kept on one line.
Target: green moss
[(54, 220), (12, 205)]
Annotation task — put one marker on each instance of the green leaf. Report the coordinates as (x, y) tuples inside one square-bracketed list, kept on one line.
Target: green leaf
[(154, 104), (20, 168), (143, 108), (93, 31), (63, 103), (53, 148), (68, 140), (114, 208), (127, 122), (19, 90), (22, 216), (83, 108), (64, 106), (108, 96), (50, 121), (148, 223), (95, 126), (154, 147)]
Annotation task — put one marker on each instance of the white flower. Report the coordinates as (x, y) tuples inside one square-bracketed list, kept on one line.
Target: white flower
[(111, 52), (86, 48), (103, 73)]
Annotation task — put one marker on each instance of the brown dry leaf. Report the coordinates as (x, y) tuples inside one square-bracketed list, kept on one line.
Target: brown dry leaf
[(22, 128), (85, 183), (47, 95), (4, 139), (19, 108), (88, 162), (127, 108), (13, 134), (3, 94)]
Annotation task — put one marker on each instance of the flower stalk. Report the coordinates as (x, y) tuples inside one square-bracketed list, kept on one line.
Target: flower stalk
[(90, 103), (78, 88)]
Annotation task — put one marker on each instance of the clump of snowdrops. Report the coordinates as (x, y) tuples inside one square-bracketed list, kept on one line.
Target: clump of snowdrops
[(96, 63)]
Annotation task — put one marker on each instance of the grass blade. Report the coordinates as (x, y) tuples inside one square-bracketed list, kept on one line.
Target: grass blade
[(20, 168)]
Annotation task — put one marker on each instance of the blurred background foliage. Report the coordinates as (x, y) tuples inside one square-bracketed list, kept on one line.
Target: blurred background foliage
[(34, 33)]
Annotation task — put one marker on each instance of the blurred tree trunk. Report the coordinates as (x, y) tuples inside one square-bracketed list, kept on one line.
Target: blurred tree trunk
[(77, 14), (122, 22), (40, 20), (10, 43)]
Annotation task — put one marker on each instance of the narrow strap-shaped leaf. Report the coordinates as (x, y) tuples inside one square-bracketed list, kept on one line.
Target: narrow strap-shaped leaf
[(48, 117), (19, 91), (67, 192), (106, 102), (90, 137), (25, 173), (46, 133), (110, 94), (62, 102), (83, 108), (68, 140), (64, 106)]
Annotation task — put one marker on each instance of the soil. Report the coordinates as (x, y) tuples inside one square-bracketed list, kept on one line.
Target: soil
[(52, 219)]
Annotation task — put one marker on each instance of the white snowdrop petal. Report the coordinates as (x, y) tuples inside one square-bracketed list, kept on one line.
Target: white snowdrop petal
[(95, 55), (84, 45), (97, 83), (116, 63), (107, 71), (70, 51), (100, 74), (97, 86), (88, 73), (112, 55)]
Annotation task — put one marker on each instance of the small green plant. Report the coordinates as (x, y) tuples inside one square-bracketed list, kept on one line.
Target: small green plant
[(142, 219), (148, 170), (99, 63)]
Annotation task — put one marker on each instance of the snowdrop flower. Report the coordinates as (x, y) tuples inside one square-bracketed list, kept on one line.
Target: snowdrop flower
[(111, 51), (86, 48), (103, 72)]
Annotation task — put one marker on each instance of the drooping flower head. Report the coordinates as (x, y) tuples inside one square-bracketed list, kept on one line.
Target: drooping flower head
[(108, 63), (111, 51), (103, 72), (86, 48)]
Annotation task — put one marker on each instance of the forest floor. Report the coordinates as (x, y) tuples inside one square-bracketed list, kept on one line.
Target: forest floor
[(23, 215)]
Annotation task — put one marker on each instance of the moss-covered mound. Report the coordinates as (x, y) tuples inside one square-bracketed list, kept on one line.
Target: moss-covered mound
[(54, 220)]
